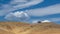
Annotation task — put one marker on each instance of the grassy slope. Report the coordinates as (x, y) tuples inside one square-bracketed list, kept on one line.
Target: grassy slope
[(26, 28)]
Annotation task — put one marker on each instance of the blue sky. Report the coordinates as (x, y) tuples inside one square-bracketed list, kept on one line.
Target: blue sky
[(30, 10)]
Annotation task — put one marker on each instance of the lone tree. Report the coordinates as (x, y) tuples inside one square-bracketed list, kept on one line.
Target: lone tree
[(39, 21)]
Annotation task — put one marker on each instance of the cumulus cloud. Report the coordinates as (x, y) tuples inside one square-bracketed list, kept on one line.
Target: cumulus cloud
[(54, 9), (17, 16)]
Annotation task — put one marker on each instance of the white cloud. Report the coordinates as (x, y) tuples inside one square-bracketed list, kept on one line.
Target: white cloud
[(14, 1), (17, 16), (25, 3), (54, 9), (17, 4), (42, 21), (46, 20), (5, 9), (56, 20), (35, 21)]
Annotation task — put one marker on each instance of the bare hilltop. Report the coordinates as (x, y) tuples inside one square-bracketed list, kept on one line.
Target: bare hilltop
[(26, 28)]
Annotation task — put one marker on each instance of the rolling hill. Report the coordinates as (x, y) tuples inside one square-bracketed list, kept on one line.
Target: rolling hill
[(26, 28)]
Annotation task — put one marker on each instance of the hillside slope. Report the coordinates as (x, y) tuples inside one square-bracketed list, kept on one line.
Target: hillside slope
[(46, 28), (26, 28)]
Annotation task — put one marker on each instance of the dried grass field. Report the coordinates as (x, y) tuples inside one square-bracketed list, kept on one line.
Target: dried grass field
[(26, 28)]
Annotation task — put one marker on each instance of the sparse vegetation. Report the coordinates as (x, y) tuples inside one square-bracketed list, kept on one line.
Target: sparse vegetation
[(26, 28)]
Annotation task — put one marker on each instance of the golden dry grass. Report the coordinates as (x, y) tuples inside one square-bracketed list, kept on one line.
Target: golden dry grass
[(26, 28)]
